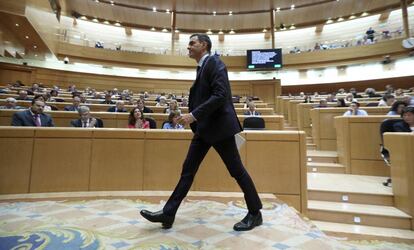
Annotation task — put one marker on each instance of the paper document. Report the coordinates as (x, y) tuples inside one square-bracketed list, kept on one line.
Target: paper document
[(239, 141)]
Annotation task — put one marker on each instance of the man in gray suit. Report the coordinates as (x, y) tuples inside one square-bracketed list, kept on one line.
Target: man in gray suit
[(33, 117)]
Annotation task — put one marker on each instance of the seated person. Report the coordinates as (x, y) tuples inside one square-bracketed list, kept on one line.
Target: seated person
[(86, 120), (173, 107), (142, 107), (11, 103), (322, 104), (75, 104), (397, 108), (173, 121), (407, 123), (23, 95), (54, 96), (33, 117), (387, 100), (354, 93), (162, 102), (42, 98), (119, 107), (340, 103), (108, 99), (354, 110), (184, 102), (136, 119), (252, 110), (349, 98)]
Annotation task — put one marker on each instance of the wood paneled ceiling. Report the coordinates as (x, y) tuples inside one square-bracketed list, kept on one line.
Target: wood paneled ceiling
[(247, 15)]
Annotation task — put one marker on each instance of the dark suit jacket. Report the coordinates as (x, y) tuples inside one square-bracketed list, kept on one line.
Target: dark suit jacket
[(25, 118), (147, 110), (210, 102), (112, 109), (401, 126), (70, 108), (255, 113), (78, 123)]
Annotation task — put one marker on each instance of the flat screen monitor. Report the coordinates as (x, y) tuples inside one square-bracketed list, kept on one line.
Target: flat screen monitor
[(264, 59)]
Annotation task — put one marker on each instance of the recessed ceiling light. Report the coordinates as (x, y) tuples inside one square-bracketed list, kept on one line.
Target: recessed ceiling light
[(230, 13), (340, 19), (177, 31), (83, 18), (329, 21), (264, 30), (112, 3), (221, 32), (96, 1), (95, 20), (117, 24), (352, 16), (232, 32), (35, 47), (106, 22), (167, 11), (292, 27), (17, 25), (209, 32), (365, 14), (164, 30), (277, 9), (214, 13), (154, 9), (27, 37), (153, 29), (35, 54), (292, 7)]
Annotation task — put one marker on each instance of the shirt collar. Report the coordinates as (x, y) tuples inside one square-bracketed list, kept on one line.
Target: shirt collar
[(200, 63)]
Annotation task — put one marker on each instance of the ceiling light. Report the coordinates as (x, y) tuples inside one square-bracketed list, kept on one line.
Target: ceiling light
[(352, 16), (365, 14), (167, 11), (230, 13), (329, 21), (112, 3), (22, 53), (164, 30), (117, 24), (83, 18), (292, 27), (154, 9), (278, 9), (17, 25), (35, 54), (106, 22), (27, 37), (214, 13), (177, 31), (153, 29), (209, 32), (96, 1), (292, 7), (220, 32), (232, 32), (264, 30), (34, 46), (340, 19), (95, 20)]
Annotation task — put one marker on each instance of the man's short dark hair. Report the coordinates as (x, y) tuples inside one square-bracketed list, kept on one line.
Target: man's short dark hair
[(408, 109), (203, 38)]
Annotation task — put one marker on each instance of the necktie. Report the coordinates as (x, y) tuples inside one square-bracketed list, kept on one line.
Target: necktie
[(37, 120)]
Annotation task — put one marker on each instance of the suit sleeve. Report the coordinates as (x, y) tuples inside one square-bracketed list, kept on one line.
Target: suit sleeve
[(50, 122), (16, 120), (216, 77)]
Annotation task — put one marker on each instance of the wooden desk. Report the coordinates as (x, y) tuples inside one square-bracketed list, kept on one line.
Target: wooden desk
[(401, 148), (37, 160)]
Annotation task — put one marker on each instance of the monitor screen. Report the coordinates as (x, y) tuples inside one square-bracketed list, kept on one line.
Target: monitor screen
[(264, 59)]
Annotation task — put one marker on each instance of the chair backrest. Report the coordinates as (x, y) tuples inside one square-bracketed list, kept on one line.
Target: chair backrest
[(152, 122), (387, 126), (372, 104), (253, 122)]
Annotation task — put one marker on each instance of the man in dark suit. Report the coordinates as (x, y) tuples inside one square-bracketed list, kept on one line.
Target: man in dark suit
[(407, 123), (214, 122), (119, 107), (141, 106), (75, 104), (252, 110), (86, 120), (33, 116)]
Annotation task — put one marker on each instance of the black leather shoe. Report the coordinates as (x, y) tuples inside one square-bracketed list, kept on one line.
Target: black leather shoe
[(249, 222), (159, 216)]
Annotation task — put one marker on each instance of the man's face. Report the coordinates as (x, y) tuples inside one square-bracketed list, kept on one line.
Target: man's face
[(76, 101), (140, 104), (120, 105), (196, 49), (37, 107), (23, 94), (10, 104), (353, 106), (85, 115), (409, 118)]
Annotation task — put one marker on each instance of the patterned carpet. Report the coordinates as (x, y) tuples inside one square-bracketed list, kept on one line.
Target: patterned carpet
[(200, 224)]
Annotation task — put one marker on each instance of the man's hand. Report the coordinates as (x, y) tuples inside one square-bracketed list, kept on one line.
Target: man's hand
[(186, 119)]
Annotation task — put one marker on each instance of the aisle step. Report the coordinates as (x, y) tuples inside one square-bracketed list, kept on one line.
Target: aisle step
[(349, 188), (323, 167), (358, 214), (322, 156)]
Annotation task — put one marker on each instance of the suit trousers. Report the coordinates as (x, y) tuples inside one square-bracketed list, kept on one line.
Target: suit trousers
[(228, 152)]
